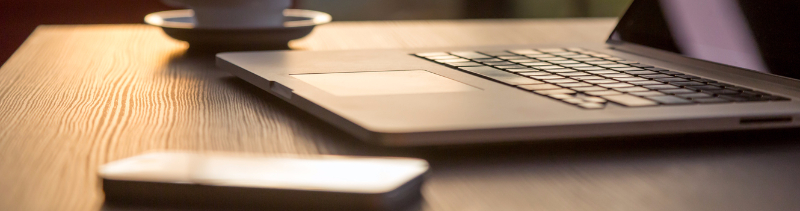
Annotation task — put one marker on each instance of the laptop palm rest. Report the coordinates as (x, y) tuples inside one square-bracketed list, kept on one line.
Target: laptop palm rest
[(383, 83)]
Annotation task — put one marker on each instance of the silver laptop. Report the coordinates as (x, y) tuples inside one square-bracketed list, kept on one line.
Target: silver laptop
[(670, 66)]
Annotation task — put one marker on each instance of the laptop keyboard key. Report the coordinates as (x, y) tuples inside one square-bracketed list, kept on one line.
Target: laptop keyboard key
[(614, 65), (502, 76), (632, 89), (537, 56), (667, 80), (704, 87), (524, 60), (470, 54), (576, 65), (616, 85), (615, 76), (515, 57), (539, 87), (660, 87), (464, 64), (574, 74), (687, 83), (571, 85), (677, 91), (576, 56), (552, 59), (655, 76), (522, 70), (695, 95), (604, 93), (564, 53), (565, 62), (630, 79), (642, 83), (564, 97), (630, 100), (555, 91), (546, 77), (592, 105), (498, 63), (539, 73), (511, 67), (484, 60), (628, 69), (710, 100), (590, 68), (548, 67), (562, 70), (591, 77), (669, 100), (602, 81), (537, 64), (643, 72), (595, 100), (602, 72), (560, 81), (588, 89), (650, 93), (601, 62)]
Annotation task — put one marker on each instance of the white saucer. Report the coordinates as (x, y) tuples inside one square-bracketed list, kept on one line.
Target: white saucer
[(179, 24)]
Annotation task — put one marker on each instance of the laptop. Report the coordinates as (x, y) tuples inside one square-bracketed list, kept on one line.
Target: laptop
[(669, 67)]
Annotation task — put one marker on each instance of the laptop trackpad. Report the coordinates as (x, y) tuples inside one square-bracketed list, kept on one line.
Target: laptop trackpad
[(383, 83)]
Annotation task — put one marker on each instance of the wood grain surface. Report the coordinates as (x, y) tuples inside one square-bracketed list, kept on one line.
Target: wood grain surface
[(74, 97)]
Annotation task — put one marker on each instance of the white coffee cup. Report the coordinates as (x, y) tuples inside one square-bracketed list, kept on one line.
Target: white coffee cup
[(236, 14)]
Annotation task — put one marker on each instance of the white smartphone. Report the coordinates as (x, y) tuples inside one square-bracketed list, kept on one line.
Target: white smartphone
[(183, 179)]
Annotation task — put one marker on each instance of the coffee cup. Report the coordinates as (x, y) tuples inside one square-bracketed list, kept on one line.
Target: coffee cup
[(235, 14)]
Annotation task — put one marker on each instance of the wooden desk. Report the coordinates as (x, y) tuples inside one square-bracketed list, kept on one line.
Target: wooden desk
[(75, 97)]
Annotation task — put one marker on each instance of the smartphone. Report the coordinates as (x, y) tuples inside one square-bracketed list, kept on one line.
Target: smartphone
[(230, 181)]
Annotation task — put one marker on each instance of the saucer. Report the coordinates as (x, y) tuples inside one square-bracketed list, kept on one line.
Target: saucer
[(179, 24)]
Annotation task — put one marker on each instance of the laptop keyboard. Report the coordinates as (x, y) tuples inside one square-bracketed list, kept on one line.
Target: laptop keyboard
[(592, 80)]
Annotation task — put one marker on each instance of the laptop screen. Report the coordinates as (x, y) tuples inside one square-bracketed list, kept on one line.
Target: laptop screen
[(760, 35)]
